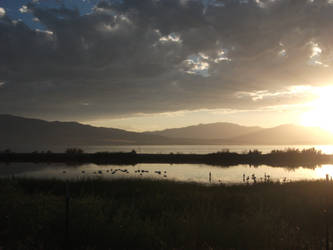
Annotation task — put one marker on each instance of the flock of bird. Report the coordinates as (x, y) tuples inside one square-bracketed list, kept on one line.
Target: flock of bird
[(125, 171), (246, 179)]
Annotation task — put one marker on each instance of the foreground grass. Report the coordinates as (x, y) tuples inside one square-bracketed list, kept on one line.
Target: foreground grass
[(147, 214)]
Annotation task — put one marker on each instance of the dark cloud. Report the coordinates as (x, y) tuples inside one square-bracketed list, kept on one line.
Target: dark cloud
[(162, 55)]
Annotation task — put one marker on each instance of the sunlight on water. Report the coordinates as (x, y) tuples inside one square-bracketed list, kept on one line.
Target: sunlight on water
[(177, 172), (202, 149), (188, 149), (326, 149), (324, 170)]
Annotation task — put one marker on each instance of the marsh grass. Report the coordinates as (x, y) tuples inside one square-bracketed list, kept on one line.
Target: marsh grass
[(148, 214), (290, 157)]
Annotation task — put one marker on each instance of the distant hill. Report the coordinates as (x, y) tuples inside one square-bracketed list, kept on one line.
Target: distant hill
[(211, 131), (26, 134), (19, 132), (287, 134)]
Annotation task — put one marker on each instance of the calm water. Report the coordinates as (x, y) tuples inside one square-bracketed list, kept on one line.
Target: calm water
[(178, 172), (201, 149), (186, 149)]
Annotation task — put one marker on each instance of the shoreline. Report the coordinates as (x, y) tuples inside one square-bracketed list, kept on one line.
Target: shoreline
[(290, 158)]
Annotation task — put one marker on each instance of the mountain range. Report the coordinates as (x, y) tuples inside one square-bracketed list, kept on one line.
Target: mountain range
[(26, 133)]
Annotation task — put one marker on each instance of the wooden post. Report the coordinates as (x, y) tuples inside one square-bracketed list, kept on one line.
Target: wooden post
[(326, 214), (67, 217)]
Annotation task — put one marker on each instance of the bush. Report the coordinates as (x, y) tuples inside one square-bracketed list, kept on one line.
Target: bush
[(74, 151)]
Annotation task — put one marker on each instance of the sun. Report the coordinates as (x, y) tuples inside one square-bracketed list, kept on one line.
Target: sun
[(320, 113)]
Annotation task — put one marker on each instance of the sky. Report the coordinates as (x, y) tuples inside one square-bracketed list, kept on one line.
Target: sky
[(154, 64)]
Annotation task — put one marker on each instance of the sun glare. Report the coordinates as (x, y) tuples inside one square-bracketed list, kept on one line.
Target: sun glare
[(320, 113), (323, 170)]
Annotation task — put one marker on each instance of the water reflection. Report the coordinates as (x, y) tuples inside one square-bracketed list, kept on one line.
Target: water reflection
[(177, 172), (201, 149), (323, 170), (185, 149)]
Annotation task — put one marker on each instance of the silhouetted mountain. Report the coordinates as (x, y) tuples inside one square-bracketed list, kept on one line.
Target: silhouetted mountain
[(285, 134), (18, 132), (211, 131), (26, 134)]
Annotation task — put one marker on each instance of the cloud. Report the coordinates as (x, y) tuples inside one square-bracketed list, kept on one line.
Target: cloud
[(150, 56), (24, 9), (2, 12)]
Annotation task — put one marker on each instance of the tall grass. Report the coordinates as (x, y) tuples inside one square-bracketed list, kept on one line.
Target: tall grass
[(147, 214)]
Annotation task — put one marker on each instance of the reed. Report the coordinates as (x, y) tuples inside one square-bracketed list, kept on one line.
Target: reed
[(148, 214)]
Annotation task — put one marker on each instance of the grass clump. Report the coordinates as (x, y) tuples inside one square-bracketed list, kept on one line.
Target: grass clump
[(147, 214)]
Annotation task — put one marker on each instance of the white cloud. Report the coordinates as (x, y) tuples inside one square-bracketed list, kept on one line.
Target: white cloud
[(197, 65), (260, 3), (104, 11), (315, 55), (46, 32), (263, 3), (282, 52), (2, 12), (184, 2), (316, 50), (172, 37), (109, 27), (288, 92), (221, 56), (24, 9)]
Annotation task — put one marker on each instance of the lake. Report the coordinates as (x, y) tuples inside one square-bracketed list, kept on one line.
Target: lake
[(185, 149), (178, 172), (200, 149)]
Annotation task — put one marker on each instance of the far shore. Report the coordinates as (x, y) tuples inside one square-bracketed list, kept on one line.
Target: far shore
[(289, 157)]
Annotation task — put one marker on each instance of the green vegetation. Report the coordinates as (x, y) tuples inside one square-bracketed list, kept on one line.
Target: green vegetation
[(147, 214), (74, 151)]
